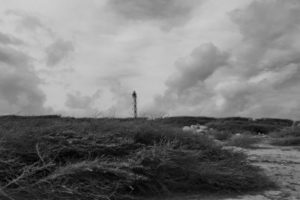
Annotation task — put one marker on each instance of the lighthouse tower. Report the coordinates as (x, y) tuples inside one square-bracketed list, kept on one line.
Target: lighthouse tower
[(134, 97)]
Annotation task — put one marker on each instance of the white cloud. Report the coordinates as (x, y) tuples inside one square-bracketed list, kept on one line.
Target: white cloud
[(249, 64), (257, 78)]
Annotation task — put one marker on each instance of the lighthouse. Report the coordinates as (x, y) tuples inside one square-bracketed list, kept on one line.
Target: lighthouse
[(134, 97)]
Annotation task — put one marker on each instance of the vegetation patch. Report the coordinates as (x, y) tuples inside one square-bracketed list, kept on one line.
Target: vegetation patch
[(244, 140), (221, 135), (287, 132), (243, 126), (66, 158), (289, 141), (286, 137)]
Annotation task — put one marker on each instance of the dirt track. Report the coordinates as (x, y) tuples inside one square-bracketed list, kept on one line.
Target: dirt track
[(282, 164)]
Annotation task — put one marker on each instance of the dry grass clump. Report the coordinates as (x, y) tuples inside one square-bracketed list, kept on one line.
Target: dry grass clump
[(221, 135), (289, 141), (241, 126), (287, 132), (180, 170), (286, 137), (244, 140), (62, 158), (101, 178)]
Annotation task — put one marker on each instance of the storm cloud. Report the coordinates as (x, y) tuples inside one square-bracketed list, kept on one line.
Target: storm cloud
[(258, 77), (58, 51), (182, 57), (26, 21), (7, 39), (19, 84), (169, 13), (201, 64)]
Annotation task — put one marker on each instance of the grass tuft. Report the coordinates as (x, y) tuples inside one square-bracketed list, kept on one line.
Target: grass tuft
[(286, 137), (243, 140), (221, 135)]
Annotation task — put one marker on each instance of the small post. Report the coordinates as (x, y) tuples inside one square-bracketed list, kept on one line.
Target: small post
[(134, 97)]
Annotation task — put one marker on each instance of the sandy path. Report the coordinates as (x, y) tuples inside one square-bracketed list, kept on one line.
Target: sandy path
[(281, 164)]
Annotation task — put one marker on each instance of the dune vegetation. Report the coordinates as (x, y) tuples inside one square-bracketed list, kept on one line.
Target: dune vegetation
[(289, 136), (57, 158)]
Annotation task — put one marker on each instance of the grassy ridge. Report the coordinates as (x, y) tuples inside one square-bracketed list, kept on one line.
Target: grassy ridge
[(67, 158)]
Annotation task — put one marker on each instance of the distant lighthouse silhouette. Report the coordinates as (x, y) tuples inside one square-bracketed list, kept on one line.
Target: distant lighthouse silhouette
[(134, 97)]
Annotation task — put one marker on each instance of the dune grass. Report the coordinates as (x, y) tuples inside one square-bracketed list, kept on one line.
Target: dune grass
[(221, 135), (244, 140), (67, 158), (286, 137), (289, 141)]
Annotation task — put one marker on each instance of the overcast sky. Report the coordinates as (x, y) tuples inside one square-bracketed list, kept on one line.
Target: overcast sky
[(183, 57)]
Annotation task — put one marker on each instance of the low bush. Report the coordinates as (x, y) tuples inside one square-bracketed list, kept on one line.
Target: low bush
[(289, 136), (243, 126), (221, 135), (184, 121), (152, 133), (243, 140), (288, 141), (286, 132)]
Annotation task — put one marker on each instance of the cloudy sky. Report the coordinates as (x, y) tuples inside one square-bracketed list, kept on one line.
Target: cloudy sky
[(183, 57)]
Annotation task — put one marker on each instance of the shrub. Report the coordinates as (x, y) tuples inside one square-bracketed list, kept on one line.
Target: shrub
[(184, 121), (289, 136), (151, 133), (221, 135), (243, 140), (286, 132), (243, 126), (289, 141)]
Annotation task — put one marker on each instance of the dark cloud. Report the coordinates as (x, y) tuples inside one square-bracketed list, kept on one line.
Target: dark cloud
[(268, 21), (19, 85), (7, 39), (270, 30), (78, 101), (27, 21), (169, 12), (14, 58), (259, 77), (58, 51), (187, 89), (202, 62)]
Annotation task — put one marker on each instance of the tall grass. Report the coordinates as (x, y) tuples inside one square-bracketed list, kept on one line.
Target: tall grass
[(66, 158), (286, 137), (245, 140), (221, 135)]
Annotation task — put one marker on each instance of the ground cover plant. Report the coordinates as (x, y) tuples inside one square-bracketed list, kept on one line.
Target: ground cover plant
[(289, 136), (220, 135), (236, 126), (244, 140), (66, 158), (184, 120)]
